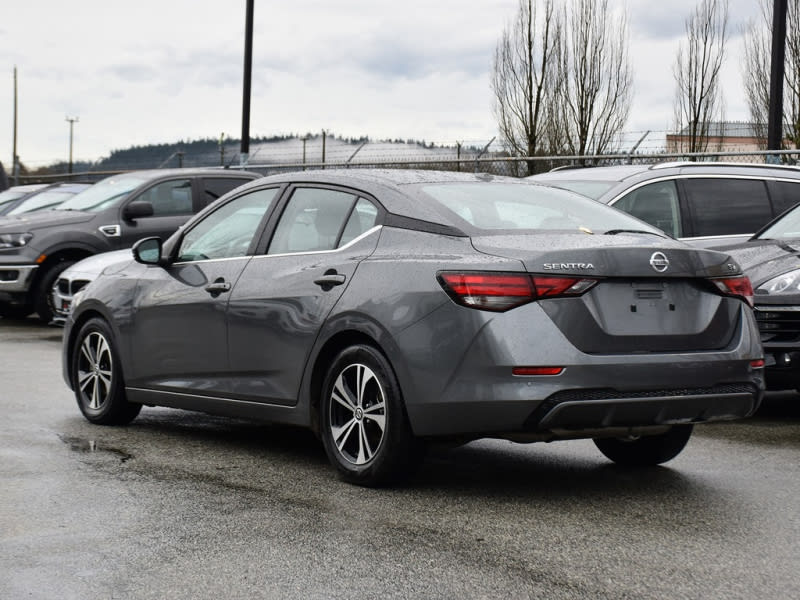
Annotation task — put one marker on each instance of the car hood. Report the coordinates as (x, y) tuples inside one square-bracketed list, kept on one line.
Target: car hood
[(43, 219), (622, 255), (90, 268), (764, 259)]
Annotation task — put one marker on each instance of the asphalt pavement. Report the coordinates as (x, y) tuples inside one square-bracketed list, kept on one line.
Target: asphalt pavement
[(183, 505)]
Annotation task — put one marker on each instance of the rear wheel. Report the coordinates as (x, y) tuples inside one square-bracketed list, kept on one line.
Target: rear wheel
[(43, 294), (646, 450), (97, 377), (365, 429)]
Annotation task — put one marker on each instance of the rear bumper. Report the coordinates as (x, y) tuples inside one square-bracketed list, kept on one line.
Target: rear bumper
[(481, 396)]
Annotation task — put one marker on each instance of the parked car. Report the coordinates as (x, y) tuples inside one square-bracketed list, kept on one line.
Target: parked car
[(73, 279), (381, 308), (705, 204), (46, 198), (112, 214), (771, 258), (11, 196)]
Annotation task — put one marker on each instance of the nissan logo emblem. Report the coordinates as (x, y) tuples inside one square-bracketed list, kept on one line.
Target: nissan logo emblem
[(659, 262)]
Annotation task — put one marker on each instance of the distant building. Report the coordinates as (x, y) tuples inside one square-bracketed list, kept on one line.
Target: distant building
[(723, 136)]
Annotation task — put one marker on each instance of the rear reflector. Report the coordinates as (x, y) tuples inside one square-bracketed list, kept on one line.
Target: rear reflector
[(736, 286), (503, 291), (528, 371), (757, 363)]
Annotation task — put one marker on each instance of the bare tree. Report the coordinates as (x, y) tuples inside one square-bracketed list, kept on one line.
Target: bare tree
[(523, 78), (756, 71), (698, 99), (595, 79)]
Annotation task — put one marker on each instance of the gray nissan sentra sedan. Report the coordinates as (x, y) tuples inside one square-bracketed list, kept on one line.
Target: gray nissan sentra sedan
[(384, 308)]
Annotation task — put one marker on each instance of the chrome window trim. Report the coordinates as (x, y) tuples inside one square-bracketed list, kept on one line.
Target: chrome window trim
[(249, 256)]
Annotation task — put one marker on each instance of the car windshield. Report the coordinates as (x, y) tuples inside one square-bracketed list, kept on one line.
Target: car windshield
[(505, 206), (41, 201), (592, 189), (10, 196), (785, 228), (104, 194)]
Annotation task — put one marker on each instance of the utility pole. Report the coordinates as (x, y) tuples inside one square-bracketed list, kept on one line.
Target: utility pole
[(71, 121), (244, 152), (305, 139), (14, 157), (775, 125), (324, 134), (222, 149)]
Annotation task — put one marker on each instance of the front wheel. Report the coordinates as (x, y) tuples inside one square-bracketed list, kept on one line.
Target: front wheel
[(646, 450), (43, 293), (365, 429), (97, 377)]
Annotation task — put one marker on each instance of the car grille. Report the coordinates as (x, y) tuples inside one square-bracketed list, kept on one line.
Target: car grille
[(70, 288), (778, 323)]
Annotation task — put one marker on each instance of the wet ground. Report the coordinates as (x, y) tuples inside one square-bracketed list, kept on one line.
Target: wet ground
[(181, 505)]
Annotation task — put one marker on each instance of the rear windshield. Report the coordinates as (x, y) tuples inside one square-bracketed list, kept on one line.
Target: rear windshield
[(592, 189), (104, 194), (511, 206), (785, 228)]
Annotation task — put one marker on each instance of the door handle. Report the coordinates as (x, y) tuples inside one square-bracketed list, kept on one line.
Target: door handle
[(218, 287), (329, 280)]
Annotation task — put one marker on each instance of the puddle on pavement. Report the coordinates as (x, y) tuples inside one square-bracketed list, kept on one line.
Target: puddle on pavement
[(88, 446)]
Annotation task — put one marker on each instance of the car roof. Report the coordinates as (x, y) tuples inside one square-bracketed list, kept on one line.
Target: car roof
[(399, 190), (189, 172), (623, 172)]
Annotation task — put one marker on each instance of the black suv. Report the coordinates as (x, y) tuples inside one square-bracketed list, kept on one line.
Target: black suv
[(112, 214), (705, 204)]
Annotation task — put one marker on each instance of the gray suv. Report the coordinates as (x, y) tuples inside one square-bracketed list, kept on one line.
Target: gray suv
[(705, 204), (112, 214)]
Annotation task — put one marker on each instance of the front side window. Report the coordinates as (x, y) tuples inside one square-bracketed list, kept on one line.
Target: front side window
[(169, 197), (655, 203), (314, 220), (727, 206), (228, 231)]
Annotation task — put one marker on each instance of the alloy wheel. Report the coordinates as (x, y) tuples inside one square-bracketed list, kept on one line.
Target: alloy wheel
[(95, 365), (357, 413)]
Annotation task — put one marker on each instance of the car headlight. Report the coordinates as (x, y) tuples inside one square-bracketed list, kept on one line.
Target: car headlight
[(14, 240), (788, 283)]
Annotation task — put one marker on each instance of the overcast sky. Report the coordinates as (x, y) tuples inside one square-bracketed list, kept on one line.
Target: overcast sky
[(156, 72)]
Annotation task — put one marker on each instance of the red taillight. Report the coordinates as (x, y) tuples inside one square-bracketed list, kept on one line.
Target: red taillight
[(503, 291), (530, 371), (736, 286)]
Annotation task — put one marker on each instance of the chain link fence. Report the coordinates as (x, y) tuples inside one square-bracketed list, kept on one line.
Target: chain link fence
[(471, 160)]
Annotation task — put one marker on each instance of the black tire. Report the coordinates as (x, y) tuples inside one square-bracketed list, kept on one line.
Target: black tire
[(366, 433), (97, 379), (14, 311), (646, 450), (43, 293)]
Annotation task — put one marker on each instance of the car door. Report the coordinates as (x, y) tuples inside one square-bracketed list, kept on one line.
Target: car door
[(179, 335), (173, 204), (283, 297)]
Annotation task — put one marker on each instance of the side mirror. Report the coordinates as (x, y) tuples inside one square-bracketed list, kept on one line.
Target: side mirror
[(136, 210), (148, 251)]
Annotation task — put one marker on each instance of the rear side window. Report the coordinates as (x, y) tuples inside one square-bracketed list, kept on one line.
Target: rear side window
[(216, 187), (657, 204), (727, 206), (313, 220), (785, 195)]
